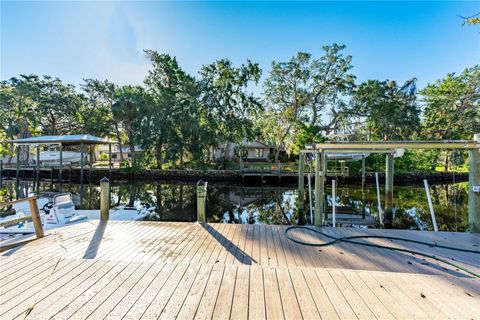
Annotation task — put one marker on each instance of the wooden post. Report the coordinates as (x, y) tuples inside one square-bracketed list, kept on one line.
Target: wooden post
[(474, 187), (430, 205), (389, 191), (38, 163), (104, 198), (60, 168), (201, 201), (1, 173), (301, 187), (110, 161), (17, 173), (379, 204), (363, 186), (37, 222), (91, 163), (334, 203), (51, 178), (319, 188), (81, 162)]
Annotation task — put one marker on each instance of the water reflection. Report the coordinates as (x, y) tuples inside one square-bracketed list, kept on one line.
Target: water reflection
[(267, 205)]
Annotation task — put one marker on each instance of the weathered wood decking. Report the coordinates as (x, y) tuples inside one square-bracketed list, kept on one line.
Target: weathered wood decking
[(187, 270)]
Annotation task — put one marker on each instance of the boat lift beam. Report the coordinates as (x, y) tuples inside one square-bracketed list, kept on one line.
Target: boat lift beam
[(389, 147)]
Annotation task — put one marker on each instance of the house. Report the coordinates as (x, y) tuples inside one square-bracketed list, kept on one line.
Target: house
[(250, 150), (102, 152)]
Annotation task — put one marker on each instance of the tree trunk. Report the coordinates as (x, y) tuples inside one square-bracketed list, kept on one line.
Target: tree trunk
[(158, 156), (10, 154), (445, 161), (132, 152), (277, 154), (117, 133)]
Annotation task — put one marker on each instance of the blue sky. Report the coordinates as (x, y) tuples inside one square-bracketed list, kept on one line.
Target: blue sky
[(104, 40)]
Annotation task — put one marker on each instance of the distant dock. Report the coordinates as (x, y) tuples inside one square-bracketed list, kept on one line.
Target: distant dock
[(110, 270)]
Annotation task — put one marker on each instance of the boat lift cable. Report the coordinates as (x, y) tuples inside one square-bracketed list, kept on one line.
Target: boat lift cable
[(351, 238)]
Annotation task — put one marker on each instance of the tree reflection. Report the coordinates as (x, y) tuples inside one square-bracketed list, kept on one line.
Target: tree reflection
[(267, 205)]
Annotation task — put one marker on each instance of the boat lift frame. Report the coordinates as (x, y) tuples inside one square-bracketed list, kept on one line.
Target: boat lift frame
[(61, 141), (320, 151)]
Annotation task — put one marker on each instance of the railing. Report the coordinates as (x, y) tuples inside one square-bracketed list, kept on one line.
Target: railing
[(267, 167), (35, 217)]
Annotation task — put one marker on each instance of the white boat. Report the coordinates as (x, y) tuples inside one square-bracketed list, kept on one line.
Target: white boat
[(53, 157), (60, 212)]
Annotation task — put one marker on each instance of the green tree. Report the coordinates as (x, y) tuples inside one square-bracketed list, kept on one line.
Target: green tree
[(227, 105), (97, 116), (131, 104), (452, 109), (385, 110), (33, 104), (171, 122), (308, 91), (58, 106)]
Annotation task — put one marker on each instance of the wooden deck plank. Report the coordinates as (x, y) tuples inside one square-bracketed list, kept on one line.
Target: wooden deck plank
[(189, 270), (256, 306), (446, 305), (241, 294), (359, 306), (223, 305), (61, 298), (119, 293), (215, 244), (273, 301), (151, 291), (322, 300), (91, 292), (291, 307), (160, 300), (305, 300), (256, 245), (98, 300), (209, 298), (400, 297), (131, 297), (371, 300), (341, 305), (282, 261), (186, 298)]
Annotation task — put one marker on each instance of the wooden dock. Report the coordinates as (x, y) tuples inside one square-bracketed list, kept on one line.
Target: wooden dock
[(170, 270)]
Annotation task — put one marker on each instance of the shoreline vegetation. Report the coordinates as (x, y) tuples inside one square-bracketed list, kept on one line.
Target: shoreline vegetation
[(235, 176), (178, 120)]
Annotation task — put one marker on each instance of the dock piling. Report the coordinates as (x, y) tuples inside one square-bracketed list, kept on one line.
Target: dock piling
[(301, 187), (474, 187), (201, 201), (334, 204), (430, 205), (389, 191), (104, 198), (37, 222), (319, 187)]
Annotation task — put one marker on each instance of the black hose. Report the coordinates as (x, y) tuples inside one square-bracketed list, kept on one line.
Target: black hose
[(350, 238)]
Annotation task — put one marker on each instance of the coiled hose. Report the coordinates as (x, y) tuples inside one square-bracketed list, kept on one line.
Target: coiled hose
[(350, 238)]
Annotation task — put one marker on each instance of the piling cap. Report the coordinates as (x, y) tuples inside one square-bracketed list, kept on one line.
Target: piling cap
[(104, 179), (201, 183)]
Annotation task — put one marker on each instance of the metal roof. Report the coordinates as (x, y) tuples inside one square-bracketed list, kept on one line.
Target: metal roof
[(64, 140)]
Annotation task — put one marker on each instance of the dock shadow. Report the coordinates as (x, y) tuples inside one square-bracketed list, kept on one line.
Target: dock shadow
[(96, 240), (238, 253)]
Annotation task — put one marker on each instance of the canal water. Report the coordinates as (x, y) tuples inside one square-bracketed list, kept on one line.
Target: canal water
[(263, 204)]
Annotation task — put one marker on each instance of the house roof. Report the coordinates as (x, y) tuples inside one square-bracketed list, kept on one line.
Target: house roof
[(64, 140), (254, 144)]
